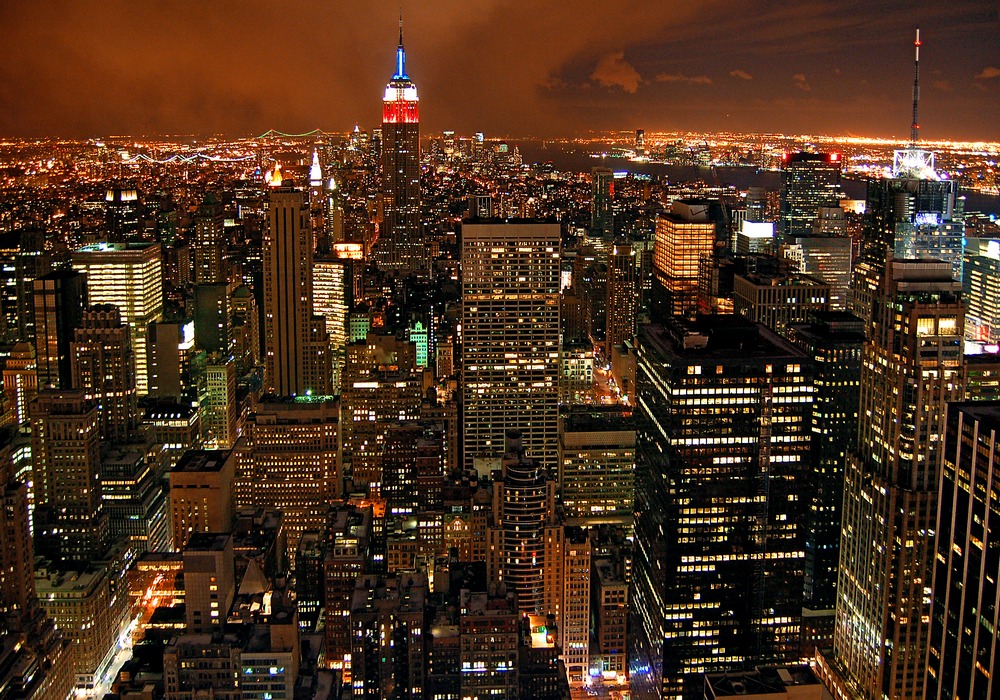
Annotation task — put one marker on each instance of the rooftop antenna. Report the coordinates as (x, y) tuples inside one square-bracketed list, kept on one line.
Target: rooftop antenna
[(401, 26), (915, 126)]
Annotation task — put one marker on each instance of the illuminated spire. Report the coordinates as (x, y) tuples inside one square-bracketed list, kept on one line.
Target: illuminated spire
[(275, 177), (915, 126), (400, 54), (315, 172)]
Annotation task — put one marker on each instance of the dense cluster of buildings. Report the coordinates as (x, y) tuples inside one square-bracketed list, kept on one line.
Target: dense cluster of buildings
[(348, 419)]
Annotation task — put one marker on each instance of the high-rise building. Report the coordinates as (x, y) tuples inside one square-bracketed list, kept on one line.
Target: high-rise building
[(122, 211), (602, 217), (381, 387), (912, 214), (779, 300), (70, 522), (59, 300), (834, 340), (201, 494), (808, 181), (20, 380), (287, 460), (723, 457), (912, 366), (981, 290), (523, 503), (220, 412), (962, 661), (388, 636), (510, 337), (209, 580), (210, 242), (400, 246), (683, 236), (488, 636), (597, 465), (211, 317), (103, 366), (623, 297), (826, 254), (297, 359), (129, 276)]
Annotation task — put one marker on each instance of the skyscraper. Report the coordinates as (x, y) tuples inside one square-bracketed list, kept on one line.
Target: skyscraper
[(623, 297), (59, 299), (297, 361), (808, 181), (209, 242), (602, 217), (912, 365), (510, 337), (683, 236), (70, 522), (104, 367), (400, 246), (129, 276), (723, 454), (962, 660)]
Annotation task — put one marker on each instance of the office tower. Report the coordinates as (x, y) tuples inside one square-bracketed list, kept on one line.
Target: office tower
[(523, 504), (297, 354), (756, 204), (201, 494), (912, 214), (245, 330), (103, 367), (723, 456), (220, 412), (912, 364), (17, 570), (170, 361), (381, 386), (755, 237), (962, 662), (412, 469), (31, 261), (20, 380), (808, 181), (333, 297), (209, 580), (175, 426), (317, 219), (510, 337), (387, 636), (400, 245), (597, 464), (610, 602), (348, 535), (834, 340), (200, 664), (640, 141), (779, 300), (826, 254), (488, 636), (418, 334), (576, 372), (683, 236), (480, 206), (309, 579), (65, 446), (88, 612), (567, 580), (134, 496), (211, 317), (129, 276), (287, 460), (59, 300), (602, 217), (121, 214), (333, 213), (210, 242), (981, 290), (623, 297)]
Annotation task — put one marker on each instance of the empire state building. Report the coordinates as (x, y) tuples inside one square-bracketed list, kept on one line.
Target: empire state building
[(400, 246)]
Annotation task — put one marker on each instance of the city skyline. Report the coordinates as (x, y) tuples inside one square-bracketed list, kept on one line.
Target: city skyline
[(182, 69)]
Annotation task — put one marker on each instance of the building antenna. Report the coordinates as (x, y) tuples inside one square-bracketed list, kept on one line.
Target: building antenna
[(915, 126)]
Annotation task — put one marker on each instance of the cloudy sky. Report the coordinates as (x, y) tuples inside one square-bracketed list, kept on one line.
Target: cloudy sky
[(506, 67)]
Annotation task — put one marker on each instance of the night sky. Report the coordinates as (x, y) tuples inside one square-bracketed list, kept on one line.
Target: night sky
[(517, 68)]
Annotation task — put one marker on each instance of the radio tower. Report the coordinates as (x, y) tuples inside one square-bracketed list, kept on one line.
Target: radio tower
[(915, 126)]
